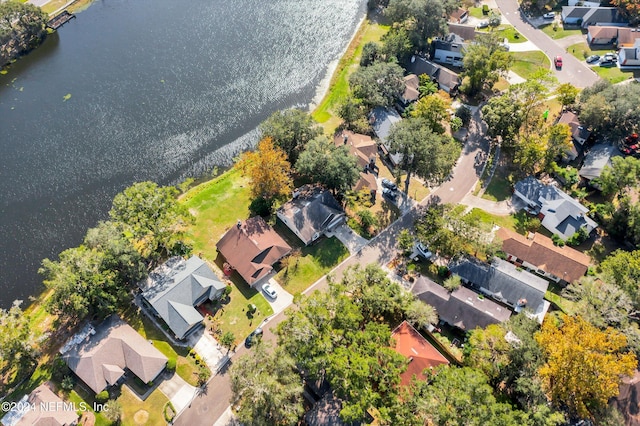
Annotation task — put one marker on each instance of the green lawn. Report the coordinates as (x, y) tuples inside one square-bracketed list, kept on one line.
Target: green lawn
[(82, 400), (499, 189), (582, 50), (148, 412), (216, 205), (476, 12), (488, 218), (314, 261), (559, 31), (525, 64), (508, 32), (339, 85)]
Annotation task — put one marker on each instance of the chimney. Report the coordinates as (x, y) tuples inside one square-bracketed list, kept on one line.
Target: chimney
[(346, 138), (239, 224)]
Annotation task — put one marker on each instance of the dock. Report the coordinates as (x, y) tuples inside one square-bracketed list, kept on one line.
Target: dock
[(59, 20)]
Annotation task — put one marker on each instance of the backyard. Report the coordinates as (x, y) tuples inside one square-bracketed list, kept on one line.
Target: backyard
[(339, 84), (508, 32)]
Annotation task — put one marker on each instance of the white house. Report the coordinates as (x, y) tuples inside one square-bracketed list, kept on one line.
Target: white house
[(449, 50), (629, 56)]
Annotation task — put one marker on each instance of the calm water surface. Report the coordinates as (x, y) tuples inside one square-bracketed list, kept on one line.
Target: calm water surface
[(159, 90)]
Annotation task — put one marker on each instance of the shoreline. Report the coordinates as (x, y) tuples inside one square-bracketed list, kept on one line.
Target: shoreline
[(326, 84), (323, 89)]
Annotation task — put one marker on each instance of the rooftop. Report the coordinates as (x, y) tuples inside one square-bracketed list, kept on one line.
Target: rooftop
[(421, 354)]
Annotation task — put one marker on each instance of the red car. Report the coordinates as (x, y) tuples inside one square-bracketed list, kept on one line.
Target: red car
[(557, 61)]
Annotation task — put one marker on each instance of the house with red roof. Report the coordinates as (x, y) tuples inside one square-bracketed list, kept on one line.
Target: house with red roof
[(252, 248), (421, 354)]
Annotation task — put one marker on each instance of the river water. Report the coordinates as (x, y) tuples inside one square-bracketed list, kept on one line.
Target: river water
[(137, 90)]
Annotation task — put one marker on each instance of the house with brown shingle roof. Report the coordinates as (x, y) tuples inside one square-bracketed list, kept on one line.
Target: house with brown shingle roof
[(41, 407), (252, 248), (421, 354), (100, 357), (361, 146), (539, 254)]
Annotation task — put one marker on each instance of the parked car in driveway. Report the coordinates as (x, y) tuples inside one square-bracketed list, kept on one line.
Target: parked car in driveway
[(557, 61), (423, 251), (253, 337), (610, 57), (388, 184), (550, 15), (607, 63), (482, 24), (270, 291), (593, 59), (389, 193)]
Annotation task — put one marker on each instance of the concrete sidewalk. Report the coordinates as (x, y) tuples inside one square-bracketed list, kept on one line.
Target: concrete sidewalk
[(281, 302), (179, 392)]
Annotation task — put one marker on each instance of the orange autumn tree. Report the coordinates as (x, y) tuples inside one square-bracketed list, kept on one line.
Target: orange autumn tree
[(584, 364), (268, 170)]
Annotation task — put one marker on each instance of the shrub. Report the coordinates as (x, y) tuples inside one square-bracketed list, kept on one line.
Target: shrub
[(260, 206), (67, 383), (171, 365), (464, 113), (169, 412), (443, 271), (557, 240), (452, 283), (102, 397)]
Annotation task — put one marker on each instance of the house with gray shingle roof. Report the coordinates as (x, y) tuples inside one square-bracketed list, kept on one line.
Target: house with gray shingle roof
[(585, 16), (596, 159), (311, 213), (560, 213), (174, 289), (462, 308), (101, 356), (505, 283)]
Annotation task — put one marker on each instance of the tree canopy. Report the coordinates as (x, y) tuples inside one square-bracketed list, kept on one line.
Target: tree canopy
[(423, 19), (328, 164), (570, 347), (484, 62), (268, 170), (266, 388), (623, 174), (434, 109), (379, 84), (611, 108), (16, 339), (152, 218), (622, 268), (22, 27), (424, 152), (290, 130)]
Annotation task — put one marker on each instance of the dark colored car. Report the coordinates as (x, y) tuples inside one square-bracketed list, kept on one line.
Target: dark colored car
[(389, 193), (388, 184), (253, 337), (593, 58), (607, 63)]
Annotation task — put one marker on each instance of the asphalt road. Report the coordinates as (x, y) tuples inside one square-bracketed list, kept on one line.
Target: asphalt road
[(213, 401), (573, 71)]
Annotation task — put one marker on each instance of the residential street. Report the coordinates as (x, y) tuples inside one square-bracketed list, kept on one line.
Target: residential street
[(210, 404), (574, 71)]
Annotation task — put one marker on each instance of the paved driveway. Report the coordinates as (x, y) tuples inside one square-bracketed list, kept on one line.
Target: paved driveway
[(574, 71), (179, 392), (207, 347), (352, 241), (283, 300)]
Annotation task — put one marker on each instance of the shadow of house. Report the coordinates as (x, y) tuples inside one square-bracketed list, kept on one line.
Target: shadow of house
[(311, 213), (174, 289), (252, 248), (101, 357), (41, 407), (539, 254), (505, 283), (559, 213), (463, 308)]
